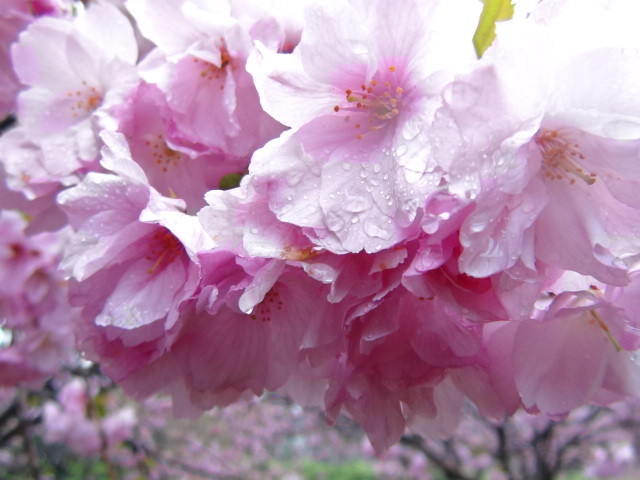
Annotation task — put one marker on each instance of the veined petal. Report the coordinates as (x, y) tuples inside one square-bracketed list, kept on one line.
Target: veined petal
[(287, 92), (349, 46)]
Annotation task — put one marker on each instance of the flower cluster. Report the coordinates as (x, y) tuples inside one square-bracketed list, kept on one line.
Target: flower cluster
[(338, 200)]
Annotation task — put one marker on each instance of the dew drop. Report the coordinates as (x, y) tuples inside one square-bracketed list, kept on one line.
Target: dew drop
[(402, 149), (335, 222), (528, 207)]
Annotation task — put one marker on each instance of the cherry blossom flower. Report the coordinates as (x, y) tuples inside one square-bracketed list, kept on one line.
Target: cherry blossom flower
[(199, 65), (543, 168), (127, 254), (74, 73), (146, 122), (578, 352), (358, 92)]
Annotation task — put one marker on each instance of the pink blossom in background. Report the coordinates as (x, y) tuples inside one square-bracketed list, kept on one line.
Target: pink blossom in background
[(33, 304)]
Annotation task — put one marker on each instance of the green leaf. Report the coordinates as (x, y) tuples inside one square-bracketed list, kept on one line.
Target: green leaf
[(100, 403), (492, 12), (231, 180)]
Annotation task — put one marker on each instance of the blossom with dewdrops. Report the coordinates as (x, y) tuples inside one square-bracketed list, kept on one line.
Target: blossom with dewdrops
[(552, 172), (358, 93)]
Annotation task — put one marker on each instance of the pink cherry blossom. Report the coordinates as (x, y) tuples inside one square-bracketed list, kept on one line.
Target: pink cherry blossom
[(126, 256), (358, 97), (577, 352), (147, 124), (15, 16), (74, 72), (545, 169), (199, 64)]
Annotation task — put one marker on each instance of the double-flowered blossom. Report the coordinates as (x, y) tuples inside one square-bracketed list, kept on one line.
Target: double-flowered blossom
[(548, 153), (199, 63), (340, 202), (72, 75), (358, 93)]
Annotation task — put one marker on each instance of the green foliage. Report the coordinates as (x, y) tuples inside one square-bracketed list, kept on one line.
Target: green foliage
[(80, 470), (492, 12), (231, 180), (356, 470), (100, 404)]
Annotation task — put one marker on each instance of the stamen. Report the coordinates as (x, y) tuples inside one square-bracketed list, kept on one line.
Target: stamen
[(210, 71), (165, 157), (88, 99), (163, 249), (272, 303), (606, 330), (379, 100), (560, 156)]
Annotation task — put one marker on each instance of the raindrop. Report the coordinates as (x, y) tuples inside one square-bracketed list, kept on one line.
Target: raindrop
[(474, 227), (411, 130), (294, 178), (528, 207), (372, 229), (335, 222)]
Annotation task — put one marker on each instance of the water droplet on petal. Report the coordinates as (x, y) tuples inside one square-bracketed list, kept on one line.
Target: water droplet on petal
[(335, 222)]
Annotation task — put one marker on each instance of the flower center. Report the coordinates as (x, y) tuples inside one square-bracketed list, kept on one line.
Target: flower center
[(378, 101), (164, 156), (210, 71), (561, 157), (86, 100), (270, 304), (163, 248)]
